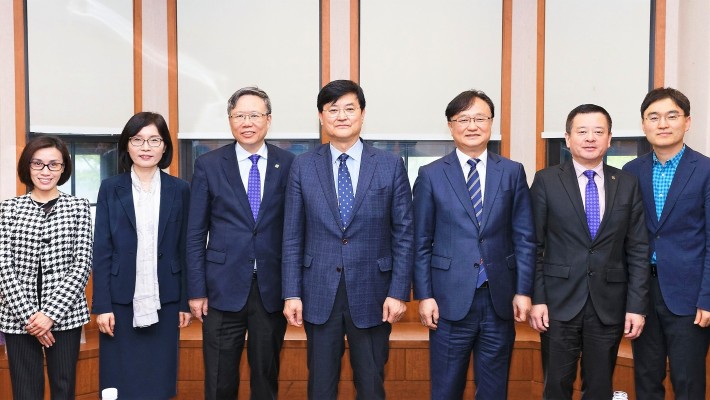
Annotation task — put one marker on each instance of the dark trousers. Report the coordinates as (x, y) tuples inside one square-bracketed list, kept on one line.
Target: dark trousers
[(672, 337), (369, 350), (25, 357), (223, 342), (482, 332), (562, 345)]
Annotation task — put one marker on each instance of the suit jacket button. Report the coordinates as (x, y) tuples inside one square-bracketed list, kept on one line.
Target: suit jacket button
[(480, 240), (591, 251), (658, 237), (160, 255), (345, 241), (590, 273), (253, 233), (338, 269)]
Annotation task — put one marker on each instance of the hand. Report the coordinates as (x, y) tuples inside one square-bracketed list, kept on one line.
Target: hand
[(39, 324), (106, 323), (293, 311), (393, 310), (633, 325), (46, 340), (521, 307), (429, 313), (539, 317), (198, 307), (702, 318), (185, 318)]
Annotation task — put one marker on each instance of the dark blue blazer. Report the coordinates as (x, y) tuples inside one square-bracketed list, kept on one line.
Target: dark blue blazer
[(681, 238), (223, 240), (449, 243), (116, 241), (375, 251)]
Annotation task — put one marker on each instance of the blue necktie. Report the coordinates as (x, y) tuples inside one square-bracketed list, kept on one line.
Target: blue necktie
[(254, 185), (473, 183), (345, 191), (591, 202)]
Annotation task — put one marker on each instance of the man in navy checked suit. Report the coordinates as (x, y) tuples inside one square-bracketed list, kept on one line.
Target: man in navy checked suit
[(675, 187), (348, 250)]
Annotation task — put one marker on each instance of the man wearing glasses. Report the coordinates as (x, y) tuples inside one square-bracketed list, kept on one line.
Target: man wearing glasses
[(591, 274), (234, 237), (348, 251), (675, 185), (474, 254)]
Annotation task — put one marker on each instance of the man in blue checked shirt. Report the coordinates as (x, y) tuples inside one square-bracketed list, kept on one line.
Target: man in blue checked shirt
[(675, 186)]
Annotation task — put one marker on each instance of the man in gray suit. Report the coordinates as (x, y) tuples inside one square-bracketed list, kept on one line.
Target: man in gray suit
[(348, 247)]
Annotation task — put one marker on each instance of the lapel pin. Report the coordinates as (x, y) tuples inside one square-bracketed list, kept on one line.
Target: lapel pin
[(276, 166), (613, 177)]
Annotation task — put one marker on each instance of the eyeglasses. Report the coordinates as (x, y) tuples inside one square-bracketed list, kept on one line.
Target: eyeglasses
[(39, 165), (670, 117), (253, 117), (152, 142), (334, 112), (478, 120)]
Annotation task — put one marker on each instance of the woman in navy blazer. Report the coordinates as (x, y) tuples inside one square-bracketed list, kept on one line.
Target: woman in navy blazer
[(138, 266)]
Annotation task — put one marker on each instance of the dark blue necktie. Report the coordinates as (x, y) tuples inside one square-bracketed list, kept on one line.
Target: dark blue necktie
[(473, 183), (345, 191), (591, 203), (254, 185)]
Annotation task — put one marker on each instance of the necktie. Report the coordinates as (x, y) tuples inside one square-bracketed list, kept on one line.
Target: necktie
[(473, 183), (254, 186), (345, 190), (591, 201)]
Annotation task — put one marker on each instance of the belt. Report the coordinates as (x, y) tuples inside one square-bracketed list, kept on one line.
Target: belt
[(654, 269), (484, 285)]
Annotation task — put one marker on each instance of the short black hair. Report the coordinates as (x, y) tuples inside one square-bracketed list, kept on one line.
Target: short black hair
[(586, 109), (464, 100), (336, 89), (38, 143), (133, 126), (666, 93)]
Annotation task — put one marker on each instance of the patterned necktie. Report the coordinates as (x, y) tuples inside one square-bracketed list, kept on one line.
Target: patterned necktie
[(254, 185), (345, 190), (591, 201), (473, 183)]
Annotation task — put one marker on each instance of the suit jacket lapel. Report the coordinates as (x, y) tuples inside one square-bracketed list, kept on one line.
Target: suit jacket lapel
[(124, 192), (273, 173), (610, 187), (457, 180), (167, 194), (493, 177), (230, 166), (568, 177), (683, 172), (368, 165), (324, 169)]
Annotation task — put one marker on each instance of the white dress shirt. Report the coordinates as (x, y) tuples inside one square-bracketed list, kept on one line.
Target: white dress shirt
[(480, 167)]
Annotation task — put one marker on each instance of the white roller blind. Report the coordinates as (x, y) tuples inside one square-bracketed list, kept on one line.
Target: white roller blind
[(80, 65), (417, 55), (224, 45), (596, 52)]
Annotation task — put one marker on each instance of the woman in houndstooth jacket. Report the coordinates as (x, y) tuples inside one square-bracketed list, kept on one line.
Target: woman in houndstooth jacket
[(45, 260)]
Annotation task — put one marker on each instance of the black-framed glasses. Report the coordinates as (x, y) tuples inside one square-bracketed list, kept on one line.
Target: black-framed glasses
[(479, 120), (152, 142), (241, 118), (39, 165)]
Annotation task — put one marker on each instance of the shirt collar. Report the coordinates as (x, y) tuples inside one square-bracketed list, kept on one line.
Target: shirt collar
[(673, 161), (154, 182), (354, 152), (243, 154), (463, 158), (579, 169)]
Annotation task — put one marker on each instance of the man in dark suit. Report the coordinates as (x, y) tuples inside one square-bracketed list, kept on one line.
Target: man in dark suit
[(591, 277), (475, 254), (234, 237), (348, 251), (675, 186)]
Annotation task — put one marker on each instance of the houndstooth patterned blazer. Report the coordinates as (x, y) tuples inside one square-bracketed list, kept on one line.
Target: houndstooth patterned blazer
[(62, 240)]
